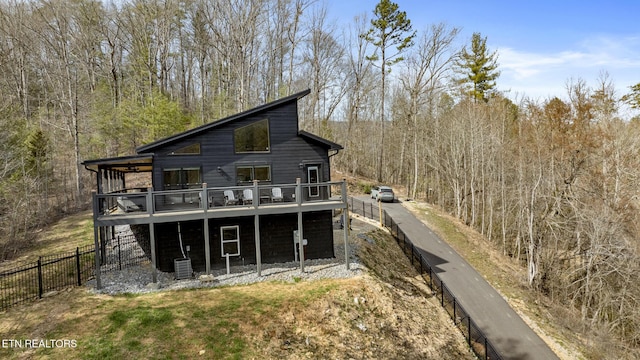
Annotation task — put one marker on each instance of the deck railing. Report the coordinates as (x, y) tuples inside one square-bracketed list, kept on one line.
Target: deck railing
[(216, 198)]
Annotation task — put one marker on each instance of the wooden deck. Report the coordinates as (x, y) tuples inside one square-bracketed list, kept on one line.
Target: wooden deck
[(184, 205)]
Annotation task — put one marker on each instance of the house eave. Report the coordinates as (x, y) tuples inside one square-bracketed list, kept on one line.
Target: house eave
[(125, 164)]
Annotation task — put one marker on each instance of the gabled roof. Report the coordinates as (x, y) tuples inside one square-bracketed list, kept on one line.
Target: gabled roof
[(149, 148)]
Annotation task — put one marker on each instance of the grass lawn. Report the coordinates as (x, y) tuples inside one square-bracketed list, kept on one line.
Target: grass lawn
[(218, 323), (61, 237)]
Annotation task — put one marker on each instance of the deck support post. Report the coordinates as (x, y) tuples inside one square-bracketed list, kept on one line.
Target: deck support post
[(347, 222), (207, 246), (300, 230), (152, 235), (256, 227), (95, 239)]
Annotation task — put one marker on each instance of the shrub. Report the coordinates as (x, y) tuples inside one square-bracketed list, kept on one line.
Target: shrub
[(366, 188)]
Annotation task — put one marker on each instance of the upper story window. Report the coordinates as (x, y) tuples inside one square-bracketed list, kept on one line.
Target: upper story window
[(248, 173), (191, 149), (252, 138), (181, 178)]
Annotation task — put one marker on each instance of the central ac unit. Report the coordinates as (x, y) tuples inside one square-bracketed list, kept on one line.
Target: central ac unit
[(183, 268)]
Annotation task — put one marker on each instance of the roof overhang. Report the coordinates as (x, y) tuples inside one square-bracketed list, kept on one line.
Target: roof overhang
[(125, 164), (330, 145)]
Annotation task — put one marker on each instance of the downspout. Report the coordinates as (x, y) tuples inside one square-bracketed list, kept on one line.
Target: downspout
[(329, 158)]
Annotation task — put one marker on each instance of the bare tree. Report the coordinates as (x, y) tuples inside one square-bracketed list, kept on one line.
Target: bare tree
[(360, 85), (422, 79), (61, 71), (16, 46), (113, 46), (324, 57)]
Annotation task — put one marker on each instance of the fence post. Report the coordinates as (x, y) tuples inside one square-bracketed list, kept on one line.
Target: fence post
[(119, 254), (469, 328), (486, 350), (40, 277), (78, 266), (454, 311)]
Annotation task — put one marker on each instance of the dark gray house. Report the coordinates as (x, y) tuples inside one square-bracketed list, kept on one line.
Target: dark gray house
[(240, 189)]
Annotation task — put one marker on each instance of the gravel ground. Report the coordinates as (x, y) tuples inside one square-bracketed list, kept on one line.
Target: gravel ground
[(138, 279)]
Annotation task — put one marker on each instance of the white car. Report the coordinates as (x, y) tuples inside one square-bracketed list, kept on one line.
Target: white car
[(382, 193)]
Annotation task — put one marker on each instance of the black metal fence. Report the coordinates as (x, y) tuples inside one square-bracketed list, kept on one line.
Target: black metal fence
[(478, 342), (122, 252), (366, 209), (49, 273), (29, 282)]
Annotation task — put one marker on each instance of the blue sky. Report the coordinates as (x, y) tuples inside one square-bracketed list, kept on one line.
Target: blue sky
[(541, 44)]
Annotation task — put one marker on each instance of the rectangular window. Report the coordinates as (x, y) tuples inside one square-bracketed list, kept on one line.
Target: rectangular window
[(230, 240), (191, 178), (252, 138), (181, 178), (262, 173), (244, 174), (247, 173), (171, 179), (192, 149)]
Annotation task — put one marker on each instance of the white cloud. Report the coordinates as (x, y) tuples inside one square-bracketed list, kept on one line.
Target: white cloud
[(524, 65), (540, 75)]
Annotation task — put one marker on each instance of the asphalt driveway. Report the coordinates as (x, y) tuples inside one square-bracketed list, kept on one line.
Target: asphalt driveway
[(509, 334)]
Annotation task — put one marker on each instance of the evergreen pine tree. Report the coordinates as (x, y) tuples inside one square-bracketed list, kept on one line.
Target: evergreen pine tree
[(389, 29), (633, 98), (479, 68)]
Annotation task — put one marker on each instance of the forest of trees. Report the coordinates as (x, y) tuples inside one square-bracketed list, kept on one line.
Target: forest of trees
[(553, 183)]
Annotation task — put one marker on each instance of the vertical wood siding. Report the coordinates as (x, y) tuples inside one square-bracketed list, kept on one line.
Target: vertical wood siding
[(288, 150)]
